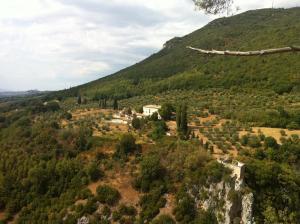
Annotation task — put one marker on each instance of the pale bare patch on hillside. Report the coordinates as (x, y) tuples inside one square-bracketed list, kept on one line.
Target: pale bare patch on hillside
[(112, 129), (273, 132), (122, 182), (82, 113), (14, 220), (168, 209), (2, 215)]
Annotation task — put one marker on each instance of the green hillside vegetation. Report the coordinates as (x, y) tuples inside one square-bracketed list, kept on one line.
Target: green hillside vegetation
[(238, 81), (57, 166), (175, 67)]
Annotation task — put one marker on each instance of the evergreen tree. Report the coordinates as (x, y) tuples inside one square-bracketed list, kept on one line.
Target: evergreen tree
[(104, 104), (115, 104), (178, 117), (166, 111), (183, 120), (79, 99)]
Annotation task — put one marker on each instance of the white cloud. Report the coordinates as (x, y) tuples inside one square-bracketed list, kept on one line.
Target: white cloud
[(55, 44)]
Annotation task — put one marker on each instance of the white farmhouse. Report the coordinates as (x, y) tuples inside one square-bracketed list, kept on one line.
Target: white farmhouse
[(148, 110)]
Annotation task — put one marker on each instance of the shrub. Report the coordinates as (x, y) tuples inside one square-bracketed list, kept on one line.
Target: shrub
[(166, 111), (216, 171), (127, 210), (90, 207), (94, 172), (185, 210), (52, 106), (136, 123), (66, 115), (154, 117), (126, 146), (151, 203), (164, 219), (270, 142), (206, 217), (151, 172), (244, 140), (254, 141), (283, 133), (159, 130), (108, 195)]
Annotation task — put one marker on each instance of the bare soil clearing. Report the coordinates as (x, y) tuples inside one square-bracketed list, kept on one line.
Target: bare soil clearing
[(78, 114), (273, 132), (168, 209), (2, 215), (122, 182)]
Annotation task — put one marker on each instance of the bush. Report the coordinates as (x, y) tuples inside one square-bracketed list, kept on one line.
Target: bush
[(52, 106), (151, 203), (216, 171), (270, 142), (159, 130), (108, 195), (166, 111), (154, 117), (136, 123), (254, 141), (66, 115), (151, 171), (185, 210), (94, 172), (244, 140), (90, 207), (164, 219), (127, 210), (126, 146), (206, 217)]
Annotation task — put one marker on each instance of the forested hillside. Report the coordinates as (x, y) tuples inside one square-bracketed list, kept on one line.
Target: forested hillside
[(175, 67)]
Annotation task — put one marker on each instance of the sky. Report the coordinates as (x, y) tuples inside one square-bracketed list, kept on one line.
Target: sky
[(58, 44)]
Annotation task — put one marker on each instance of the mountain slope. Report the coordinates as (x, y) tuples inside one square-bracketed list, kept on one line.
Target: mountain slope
[(175, 67)]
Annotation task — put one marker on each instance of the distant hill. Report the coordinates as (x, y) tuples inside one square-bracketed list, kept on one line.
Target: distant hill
[(5, 93), (175, 67)]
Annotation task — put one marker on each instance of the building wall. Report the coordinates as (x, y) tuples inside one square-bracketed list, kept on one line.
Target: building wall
[(149, 111)]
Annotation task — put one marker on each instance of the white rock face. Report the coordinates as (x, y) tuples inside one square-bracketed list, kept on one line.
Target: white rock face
[(228, 202), (247, 208), (228, 206)]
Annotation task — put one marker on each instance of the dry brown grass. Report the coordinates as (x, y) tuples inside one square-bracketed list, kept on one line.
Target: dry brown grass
[(2, 215), (122, 182), (82, 113), (169, 207), (273, 132)]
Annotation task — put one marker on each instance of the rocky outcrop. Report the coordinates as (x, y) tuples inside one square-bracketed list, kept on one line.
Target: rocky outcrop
[(228, 201), (172, 43), (247, 208)]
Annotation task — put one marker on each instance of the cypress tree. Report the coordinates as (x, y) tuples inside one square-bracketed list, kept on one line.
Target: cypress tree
[(183, 120), (178, 117), (115, 104), (79, 99)]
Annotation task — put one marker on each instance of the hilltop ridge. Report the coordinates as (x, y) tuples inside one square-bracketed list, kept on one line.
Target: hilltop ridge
[(175, 67)]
